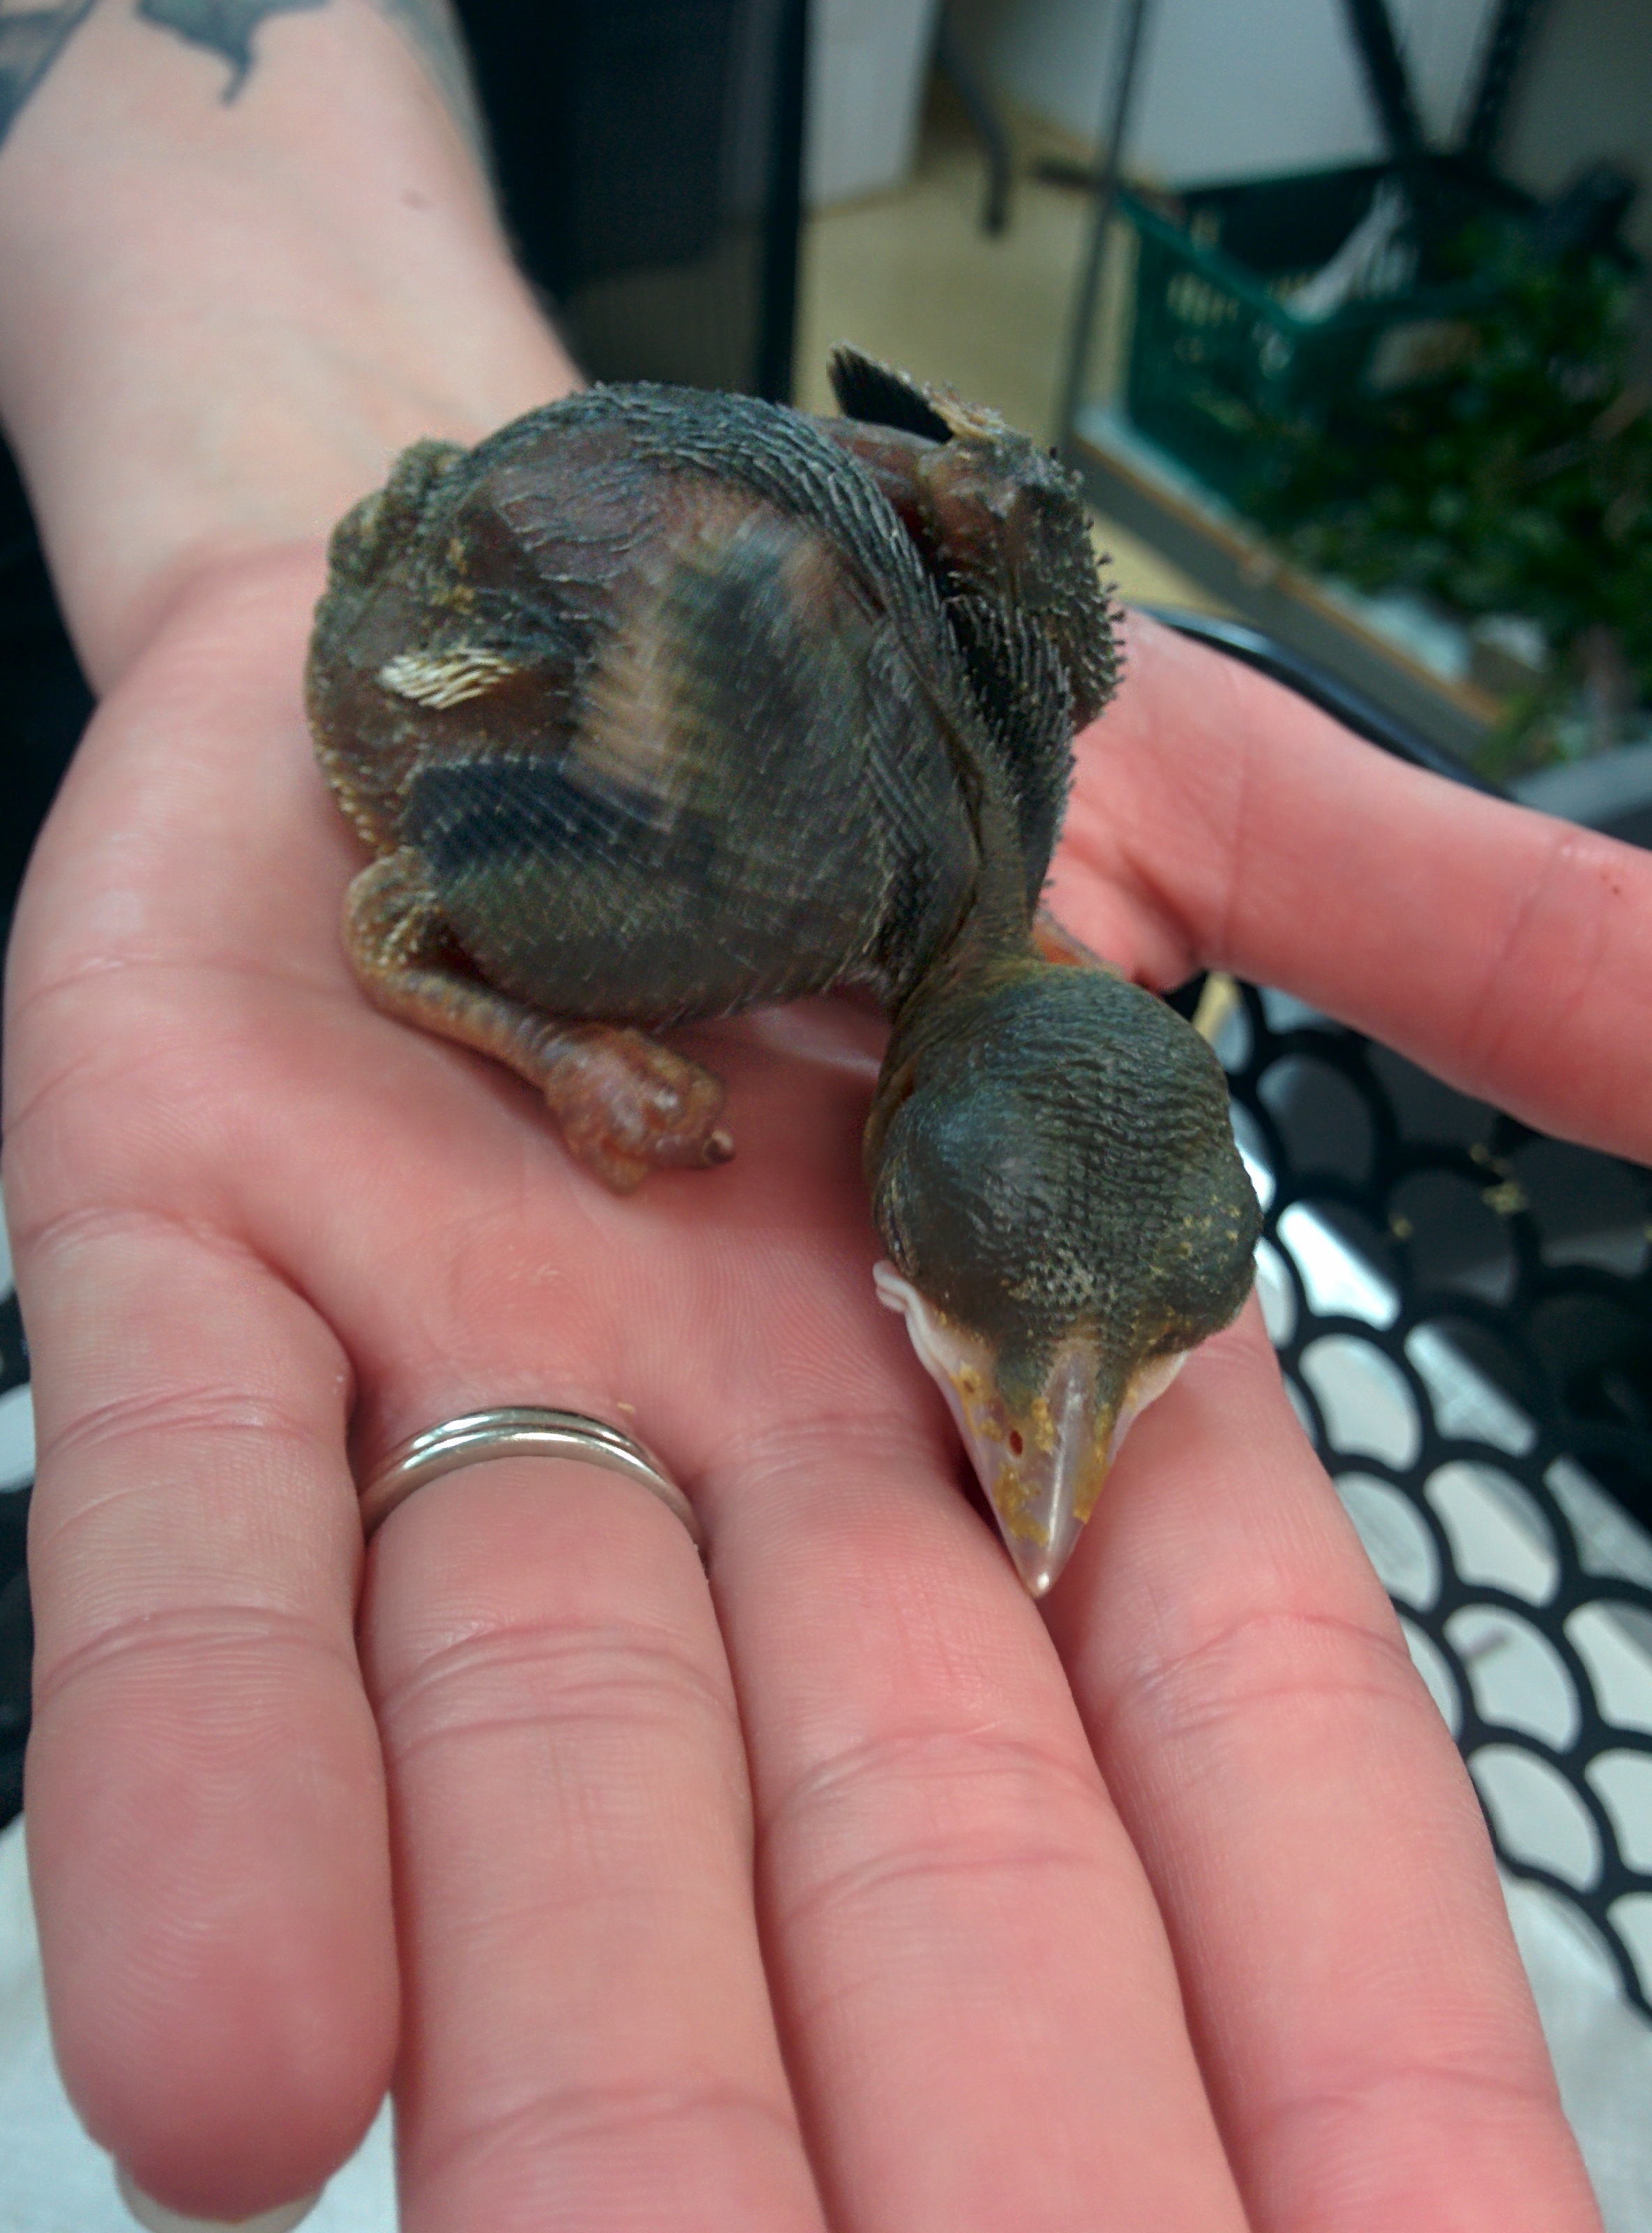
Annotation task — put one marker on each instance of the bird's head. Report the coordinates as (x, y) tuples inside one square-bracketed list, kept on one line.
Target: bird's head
[(1055, 1177)]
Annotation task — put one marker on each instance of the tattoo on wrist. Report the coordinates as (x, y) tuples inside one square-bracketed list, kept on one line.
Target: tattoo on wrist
[(31, 39), (225, 26), (30, 43)]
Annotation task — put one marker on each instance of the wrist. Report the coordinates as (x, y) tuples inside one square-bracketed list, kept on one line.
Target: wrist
[(228, 318)]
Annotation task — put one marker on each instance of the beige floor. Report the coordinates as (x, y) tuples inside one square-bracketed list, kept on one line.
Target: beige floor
[(910, 277)]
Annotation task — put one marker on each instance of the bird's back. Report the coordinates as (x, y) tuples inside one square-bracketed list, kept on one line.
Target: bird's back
[(656, 688)]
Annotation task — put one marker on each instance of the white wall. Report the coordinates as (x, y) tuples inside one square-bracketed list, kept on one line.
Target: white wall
[(1229, 89), (1237, 88), (868, 60), (1051, 56), (1587, 92), (1233, 88)]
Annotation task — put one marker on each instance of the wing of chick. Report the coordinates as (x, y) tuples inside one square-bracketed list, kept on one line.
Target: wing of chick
[(1002, 528), (662, 745)]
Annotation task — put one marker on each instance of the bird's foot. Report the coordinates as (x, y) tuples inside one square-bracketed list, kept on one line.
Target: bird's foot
[(628, 1106)]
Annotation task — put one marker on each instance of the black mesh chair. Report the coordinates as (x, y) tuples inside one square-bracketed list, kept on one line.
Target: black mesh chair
[(1463, 1310)]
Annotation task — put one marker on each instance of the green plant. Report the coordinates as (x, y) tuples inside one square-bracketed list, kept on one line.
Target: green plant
[(1521, 484)]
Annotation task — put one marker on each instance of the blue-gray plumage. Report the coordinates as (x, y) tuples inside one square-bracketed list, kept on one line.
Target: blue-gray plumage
[(661, 704)]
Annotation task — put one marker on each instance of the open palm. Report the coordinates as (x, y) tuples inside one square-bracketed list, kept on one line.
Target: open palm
[(848, 1889)]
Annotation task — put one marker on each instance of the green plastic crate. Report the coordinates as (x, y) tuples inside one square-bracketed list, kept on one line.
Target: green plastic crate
[(1218, 363)]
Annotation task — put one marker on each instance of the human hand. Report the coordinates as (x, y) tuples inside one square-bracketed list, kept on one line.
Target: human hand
[(848, 1889)]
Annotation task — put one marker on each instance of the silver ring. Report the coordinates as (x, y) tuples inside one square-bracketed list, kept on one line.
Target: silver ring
[(518, 1431)]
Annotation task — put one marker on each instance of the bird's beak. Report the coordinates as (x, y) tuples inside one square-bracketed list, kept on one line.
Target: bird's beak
[(1041, 1466)]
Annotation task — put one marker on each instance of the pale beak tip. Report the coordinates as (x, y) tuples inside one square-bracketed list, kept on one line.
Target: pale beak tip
[(1038, 1574), (1040, 1561), (1041, 1483)]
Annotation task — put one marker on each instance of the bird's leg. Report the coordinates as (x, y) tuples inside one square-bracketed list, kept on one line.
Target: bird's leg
[(626, 1104)]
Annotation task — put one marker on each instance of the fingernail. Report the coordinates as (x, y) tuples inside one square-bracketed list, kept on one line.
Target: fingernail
[(160, 2219)]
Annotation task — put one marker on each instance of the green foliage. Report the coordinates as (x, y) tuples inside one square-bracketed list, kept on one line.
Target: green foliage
[(1521, 484)]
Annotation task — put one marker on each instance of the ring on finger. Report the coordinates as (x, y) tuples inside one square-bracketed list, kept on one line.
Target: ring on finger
[(518, 1430)]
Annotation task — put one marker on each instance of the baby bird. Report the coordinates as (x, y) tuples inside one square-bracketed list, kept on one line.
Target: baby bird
[(660, 704)]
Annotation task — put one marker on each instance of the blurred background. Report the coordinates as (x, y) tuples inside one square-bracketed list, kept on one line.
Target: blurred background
[(1338, 305)]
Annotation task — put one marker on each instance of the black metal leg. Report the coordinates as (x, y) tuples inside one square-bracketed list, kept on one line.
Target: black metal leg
[(960, 74)]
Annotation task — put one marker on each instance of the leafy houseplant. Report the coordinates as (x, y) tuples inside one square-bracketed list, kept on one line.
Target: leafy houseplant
[(1520, 483)]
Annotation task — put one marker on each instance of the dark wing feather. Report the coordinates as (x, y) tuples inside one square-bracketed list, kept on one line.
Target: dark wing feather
[(878, 395), (1027, 704)]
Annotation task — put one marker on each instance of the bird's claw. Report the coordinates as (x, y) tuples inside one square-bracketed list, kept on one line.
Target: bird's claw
[(628, 1106)]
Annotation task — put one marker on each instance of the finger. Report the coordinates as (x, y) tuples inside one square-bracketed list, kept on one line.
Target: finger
[(980, 2013), (206, 1812), (588, 2040), (1218, 819), (1313, 1840)]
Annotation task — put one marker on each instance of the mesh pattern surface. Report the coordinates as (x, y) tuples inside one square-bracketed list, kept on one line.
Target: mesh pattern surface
[(1463, 1310)]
